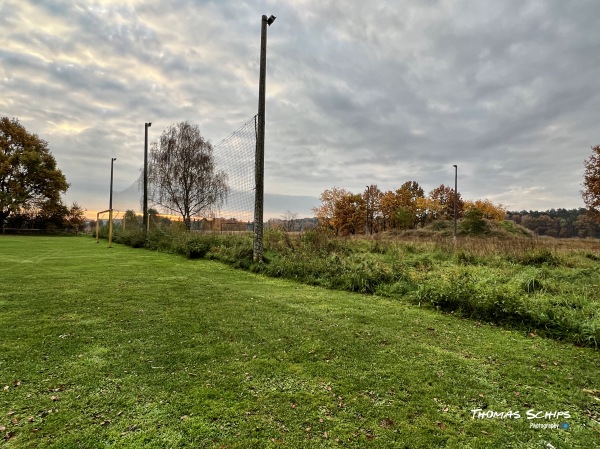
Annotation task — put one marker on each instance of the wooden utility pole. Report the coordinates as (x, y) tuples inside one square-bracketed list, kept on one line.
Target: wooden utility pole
[(110, 209), (146, 221), (257, 253)]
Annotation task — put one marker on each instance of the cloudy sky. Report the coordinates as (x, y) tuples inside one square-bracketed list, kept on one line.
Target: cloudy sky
[(358, 92)]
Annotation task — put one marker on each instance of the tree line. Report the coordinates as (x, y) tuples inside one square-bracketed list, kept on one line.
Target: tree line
[(563, 223), (183, 179), (372, 211)]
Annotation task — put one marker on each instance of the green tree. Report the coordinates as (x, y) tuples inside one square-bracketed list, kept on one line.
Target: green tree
[(473, 222), (75, 217), (29, 177), (408, 195), (51, 215), (405, 217), (591, 183)]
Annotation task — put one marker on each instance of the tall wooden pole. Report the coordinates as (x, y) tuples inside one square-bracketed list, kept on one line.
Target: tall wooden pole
[(146, 221), (110, 209), (257, 253)]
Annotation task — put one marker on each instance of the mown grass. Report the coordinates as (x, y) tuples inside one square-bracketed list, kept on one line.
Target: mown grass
[(545, 286), (126, 348)]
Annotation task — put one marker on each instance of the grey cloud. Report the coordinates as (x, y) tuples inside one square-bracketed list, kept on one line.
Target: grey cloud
[(357, 92)]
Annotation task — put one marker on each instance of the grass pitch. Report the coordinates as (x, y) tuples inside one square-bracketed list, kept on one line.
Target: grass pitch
[(126, 348)]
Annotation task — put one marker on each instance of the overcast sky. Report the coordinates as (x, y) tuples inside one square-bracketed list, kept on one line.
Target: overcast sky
[(358, 92)]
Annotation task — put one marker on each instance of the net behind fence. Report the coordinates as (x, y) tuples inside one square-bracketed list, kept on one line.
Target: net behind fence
[(235, 156)]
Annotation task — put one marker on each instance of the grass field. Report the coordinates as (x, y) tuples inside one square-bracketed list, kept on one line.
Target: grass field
[(127, 348)]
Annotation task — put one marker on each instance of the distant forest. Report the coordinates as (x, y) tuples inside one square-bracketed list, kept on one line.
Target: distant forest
[(558, 222)]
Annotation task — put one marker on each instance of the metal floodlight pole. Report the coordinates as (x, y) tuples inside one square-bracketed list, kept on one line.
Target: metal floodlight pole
[(455, 196), (367, 221), (257, 253), (110, 208), (146, 221)]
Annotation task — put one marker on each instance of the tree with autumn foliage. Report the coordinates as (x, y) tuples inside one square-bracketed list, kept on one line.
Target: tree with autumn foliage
[(591, 183), (444, 196), (489, 210), (325, 212), (404, 208), (389, 204), (397, 205), (408, 194), (427, 210), (29, 177), (350, 213)]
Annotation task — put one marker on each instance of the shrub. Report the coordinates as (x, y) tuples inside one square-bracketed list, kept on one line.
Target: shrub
[(133, 238), (465, 258), (531, 285), (441, 225), (169, 242), (196, 248), (277, 240), (473, 222), (538, 257)]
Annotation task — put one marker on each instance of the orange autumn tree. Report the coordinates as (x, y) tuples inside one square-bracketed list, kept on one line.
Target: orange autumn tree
[(406, 207), (444, 196), (591, 183), (389, 203), (489, 210), (350, 214), (399, 208), (325, 212)]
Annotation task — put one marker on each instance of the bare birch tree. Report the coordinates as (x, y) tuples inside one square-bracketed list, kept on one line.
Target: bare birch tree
[(182, 176)]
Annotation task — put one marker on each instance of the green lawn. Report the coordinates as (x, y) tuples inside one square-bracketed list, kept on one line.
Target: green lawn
[(130, 348)]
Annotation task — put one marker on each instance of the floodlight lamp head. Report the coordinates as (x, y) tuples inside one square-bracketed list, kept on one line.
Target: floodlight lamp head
[(455, 166), (148, 124), (270, 20)]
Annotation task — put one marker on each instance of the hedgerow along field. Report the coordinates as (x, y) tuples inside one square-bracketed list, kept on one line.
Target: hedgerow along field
[(128, 348)]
